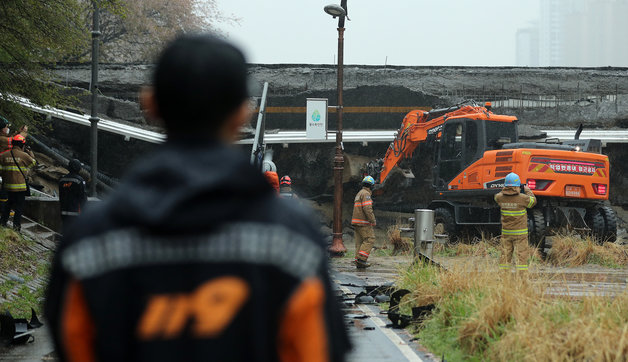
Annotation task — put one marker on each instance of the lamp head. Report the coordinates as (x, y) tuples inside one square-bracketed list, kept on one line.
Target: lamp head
[(335, 10)]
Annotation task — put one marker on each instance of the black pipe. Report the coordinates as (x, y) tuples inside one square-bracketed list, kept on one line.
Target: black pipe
[(102, 179)]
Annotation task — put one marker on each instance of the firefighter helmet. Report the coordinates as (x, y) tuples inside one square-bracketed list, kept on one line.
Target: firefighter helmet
[(18, 140), (286, 180), (368, 180), (512, 179)]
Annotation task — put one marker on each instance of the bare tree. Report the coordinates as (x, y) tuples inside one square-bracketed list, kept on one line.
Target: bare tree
[(136, 30)]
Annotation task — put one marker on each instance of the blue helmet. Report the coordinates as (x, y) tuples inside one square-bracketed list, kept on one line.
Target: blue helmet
[(368, 180), (512, 179)]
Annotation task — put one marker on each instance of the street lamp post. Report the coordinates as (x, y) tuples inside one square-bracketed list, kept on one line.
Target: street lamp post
[(93, 119), (337, 247)]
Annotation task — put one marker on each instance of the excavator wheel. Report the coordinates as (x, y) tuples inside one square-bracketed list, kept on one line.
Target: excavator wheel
[(445, 224), (537, 229), (610, 223), (595, 221)]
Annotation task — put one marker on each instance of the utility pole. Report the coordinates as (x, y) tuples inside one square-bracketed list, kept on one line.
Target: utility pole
[(93, 119)]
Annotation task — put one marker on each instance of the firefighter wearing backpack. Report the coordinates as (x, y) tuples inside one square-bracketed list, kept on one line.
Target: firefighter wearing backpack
[(363, 221), (514, 205)]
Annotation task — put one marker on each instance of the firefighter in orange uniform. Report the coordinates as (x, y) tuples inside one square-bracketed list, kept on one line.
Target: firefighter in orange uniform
[(513, 206), (363, 221)]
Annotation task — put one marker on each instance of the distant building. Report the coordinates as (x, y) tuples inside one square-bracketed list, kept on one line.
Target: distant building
[(595, 36), (528, 46), (578, 33)]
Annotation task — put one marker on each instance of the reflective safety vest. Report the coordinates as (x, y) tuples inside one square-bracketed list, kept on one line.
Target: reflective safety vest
[(513, 205)]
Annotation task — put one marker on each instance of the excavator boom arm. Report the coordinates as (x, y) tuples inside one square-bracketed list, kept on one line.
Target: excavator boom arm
[(419, 125)]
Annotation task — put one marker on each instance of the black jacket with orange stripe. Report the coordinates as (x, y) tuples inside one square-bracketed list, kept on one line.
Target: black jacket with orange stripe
[(194, 258)]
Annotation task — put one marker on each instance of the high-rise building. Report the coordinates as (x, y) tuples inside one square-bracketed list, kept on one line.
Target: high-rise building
[(579, 33), (595, 37), (528, 46)]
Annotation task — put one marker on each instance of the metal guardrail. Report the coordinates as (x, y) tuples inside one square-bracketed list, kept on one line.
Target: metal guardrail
[(105, 125), (606, 136)]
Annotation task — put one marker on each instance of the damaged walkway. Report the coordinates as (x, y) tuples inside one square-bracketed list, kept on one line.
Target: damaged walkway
[(371, 332)]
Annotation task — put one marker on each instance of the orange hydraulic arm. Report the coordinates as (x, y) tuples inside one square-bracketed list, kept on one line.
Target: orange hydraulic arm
[(418, 125), (413, 130)]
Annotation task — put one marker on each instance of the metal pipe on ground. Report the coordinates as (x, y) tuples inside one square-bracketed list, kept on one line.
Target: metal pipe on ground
[(424, 232), (103, 180), (424, 237)]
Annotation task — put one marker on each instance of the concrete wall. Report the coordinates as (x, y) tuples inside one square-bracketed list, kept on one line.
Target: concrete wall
[(597, 96)]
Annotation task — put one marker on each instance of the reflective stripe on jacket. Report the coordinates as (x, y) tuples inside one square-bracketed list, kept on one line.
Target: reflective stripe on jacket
[(513, 209), (12, 178), (363, 208)]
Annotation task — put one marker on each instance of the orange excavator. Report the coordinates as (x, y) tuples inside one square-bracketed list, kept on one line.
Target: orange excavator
[(474, 149)]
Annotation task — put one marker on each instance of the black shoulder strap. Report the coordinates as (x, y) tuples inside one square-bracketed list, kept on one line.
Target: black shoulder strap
[(18, 166)]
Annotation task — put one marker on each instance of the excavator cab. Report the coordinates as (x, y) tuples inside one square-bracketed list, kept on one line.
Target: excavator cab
[(464, 141)]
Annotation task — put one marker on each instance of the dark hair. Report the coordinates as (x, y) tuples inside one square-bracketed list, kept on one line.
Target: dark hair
[(74, 166), (4, 122), (199, 80)]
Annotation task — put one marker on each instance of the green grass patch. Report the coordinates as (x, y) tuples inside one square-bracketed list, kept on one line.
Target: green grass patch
[(24, 265)]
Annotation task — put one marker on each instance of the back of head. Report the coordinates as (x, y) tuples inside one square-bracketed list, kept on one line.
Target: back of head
[(4, 122), (199, 80), (74, 166)]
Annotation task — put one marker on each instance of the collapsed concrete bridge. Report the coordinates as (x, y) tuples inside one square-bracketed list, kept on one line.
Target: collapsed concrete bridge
[(375, 98)]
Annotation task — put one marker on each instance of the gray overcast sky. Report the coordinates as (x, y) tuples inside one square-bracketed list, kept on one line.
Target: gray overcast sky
[(408, 32)]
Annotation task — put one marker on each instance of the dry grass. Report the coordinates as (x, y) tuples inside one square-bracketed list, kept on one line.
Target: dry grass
[(567, 250), (479, 247), (485, 314), (400, 244), (571, 250), (594, 329)]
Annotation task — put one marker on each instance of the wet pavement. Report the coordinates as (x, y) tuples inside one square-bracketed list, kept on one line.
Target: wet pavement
[(39, 349), (370, 331)]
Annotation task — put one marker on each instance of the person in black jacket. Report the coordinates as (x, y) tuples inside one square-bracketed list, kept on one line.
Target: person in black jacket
[(72, 193), (193, 257)]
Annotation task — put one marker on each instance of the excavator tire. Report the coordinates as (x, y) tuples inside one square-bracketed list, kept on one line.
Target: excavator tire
[(595, 221), (537, 229), (445, 224), (610, 223)]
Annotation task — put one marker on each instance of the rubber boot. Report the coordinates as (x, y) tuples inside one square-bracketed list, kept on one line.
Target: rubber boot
[(362, 264)]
